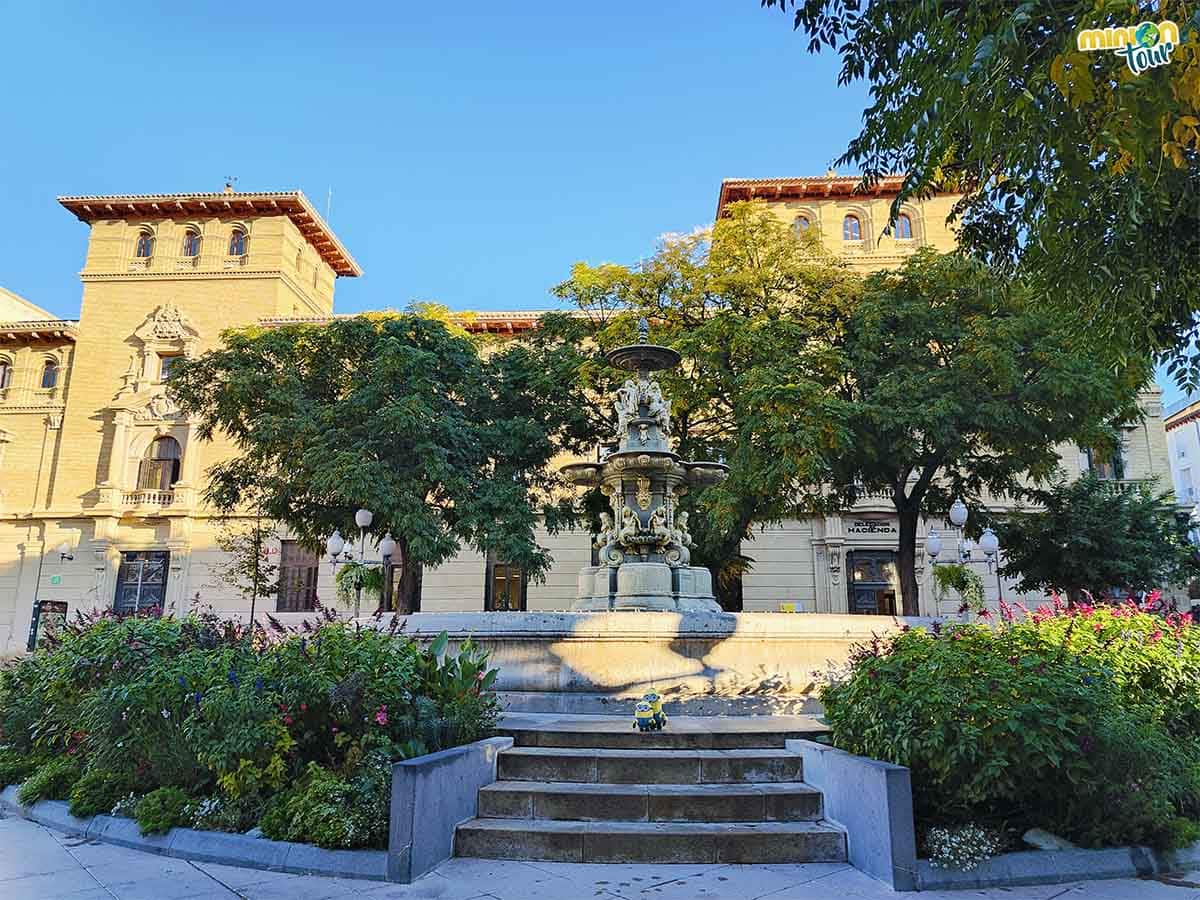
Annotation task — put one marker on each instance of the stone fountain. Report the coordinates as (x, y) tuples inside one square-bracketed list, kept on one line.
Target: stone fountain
[(643, 543)]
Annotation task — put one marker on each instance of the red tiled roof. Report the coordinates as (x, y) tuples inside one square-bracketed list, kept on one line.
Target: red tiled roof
[(293, 204)]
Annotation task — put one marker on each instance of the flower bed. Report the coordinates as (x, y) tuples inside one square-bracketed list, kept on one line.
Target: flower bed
[(1082, 721), (195, 722)]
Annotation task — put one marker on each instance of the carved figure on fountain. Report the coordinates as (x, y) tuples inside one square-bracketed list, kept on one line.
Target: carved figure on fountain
[(658, 526)]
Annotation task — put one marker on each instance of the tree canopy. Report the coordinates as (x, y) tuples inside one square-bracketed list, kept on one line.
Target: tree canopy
[(392, 412), (945, 380), (1091, 535), (1080, 175)]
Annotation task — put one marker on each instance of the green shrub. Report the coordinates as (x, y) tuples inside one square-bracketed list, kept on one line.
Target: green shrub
[(223, 813), (1032, 724), (51, 781), (1154, 661), (15, 767), (233, 719), (97, 792), (329, 811), (161, 810)]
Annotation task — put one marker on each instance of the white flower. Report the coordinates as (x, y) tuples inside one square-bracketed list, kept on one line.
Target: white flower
[(165, 714)]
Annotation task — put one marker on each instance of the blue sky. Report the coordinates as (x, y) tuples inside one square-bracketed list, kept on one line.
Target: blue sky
[(474, 151)]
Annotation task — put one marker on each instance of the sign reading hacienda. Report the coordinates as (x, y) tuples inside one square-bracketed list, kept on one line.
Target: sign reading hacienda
[(870, 526), (1143, 46)]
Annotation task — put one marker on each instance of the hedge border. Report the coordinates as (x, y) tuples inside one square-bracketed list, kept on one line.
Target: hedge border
[(205, 846)]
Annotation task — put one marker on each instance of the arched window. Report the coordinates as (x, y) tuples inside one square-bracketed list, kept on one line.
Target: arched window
[(191, 242), (159, 469), (145, 245), (49, 374), (801, 224), (237, 242), (904, 228), (851, 229), (5, 373)]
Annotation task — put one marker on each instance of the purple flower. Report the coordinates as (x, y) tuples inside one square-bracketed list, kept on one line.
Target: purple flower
[(233, 677), (258, 684)]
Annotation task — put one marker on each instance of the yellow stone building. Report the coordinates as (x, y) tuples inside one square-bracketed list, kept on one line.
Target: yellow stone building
[(101, 476)]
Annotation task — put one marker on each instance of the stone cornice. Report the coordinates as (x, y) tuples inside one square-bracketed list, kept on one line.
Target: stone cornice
[(228, 204)]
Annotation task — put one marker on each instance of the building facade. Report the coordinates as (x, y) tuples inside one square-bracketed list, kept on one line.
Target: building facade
[(1182, 425), (101, 475)]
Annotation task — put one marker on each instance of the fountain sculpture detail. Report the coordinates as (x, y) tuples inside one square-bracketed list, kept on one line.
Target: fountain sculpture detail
[(643, 543)]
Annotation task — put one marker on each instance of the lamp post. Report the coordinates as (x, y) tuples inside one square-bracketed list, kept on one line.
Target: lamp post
[(989, 544), (340, 554)]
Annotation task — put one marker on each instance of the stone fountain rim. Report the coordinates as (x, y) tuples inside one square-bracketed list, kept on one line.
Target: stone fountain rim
[(652, 357)]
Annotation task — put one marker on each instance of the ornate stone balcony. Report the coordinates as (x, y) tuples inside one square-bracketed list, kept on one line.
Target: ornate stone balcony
[(139, 263), (237, 262), (145, 498), (187, 262)]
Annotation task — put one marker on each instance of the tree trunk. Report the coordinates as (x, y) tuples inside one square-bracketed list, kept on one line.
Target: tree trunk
[(906, 560), (728, 592), (408, 591)]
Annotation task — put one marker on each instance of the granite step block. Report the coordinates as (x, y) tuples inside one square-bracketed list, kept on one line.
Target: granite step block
[(651, 842), (565, 801), (586, 765)]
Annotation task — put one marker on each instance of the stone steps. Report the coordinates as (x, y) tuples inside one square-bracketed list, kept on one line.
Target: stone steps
[(623, 737), (651, 842), (602, 766), (686, 732), (591, 789), (564, 801)]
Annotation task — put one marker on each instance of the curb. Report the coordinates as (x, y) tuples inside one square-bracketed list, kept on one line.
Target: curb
[(205, 846), (1030, 867)]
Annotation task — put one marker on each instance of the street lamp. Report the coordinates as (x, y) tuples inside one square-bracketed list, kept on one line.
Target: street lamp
[(989, 544), (340, 553), (64, 552)]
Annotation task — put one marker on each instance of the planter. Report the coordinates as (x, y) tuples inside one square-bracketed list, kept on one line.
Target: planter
[(205, 846)]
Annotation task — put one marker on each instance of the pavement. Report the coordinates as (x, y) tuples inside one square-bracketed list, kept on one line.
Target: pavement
[(37, 863)]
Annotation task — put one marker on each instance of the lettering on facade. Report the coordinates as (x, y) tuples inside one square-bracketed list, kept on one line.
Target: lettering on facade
[(871, 526)]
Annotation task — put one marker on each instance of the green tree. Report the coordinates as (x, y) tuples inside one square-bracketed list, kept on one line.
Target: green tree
[(1092, 535), (735, 302), (946, 381), (394, 413), (247, 567), (1080, 175)]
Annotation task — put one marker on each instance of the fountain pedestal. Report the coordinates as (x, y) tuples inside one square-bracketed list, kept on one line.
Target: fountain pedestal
[(644, 543)]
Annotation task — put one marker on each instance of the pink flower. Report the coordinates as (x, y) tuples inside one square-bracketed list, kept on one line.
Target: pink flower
[(333, 728), (381, 716), (1157, 635), (303, 707), (287, 720)]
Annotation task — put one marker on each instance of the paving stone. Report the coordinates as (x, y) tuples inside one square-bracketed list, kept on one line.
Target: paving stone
[(782, 842), (520, 839), (751, 766), (705, 803), (300, 887), (536, 764), (48, 886), (591, 802), (651, 767)]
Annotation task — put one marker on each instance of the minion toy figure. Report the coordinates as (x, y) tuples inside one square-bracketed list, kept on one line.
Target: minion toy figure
[(655, 702), (643, 716)]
